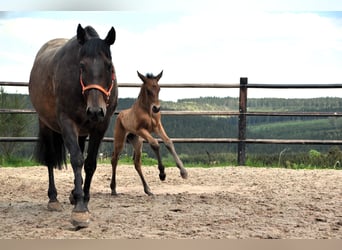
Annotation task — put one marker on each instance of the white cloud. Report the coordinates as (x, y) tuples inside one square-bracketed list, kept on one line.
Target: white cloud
[(216, 46), (222, 47)]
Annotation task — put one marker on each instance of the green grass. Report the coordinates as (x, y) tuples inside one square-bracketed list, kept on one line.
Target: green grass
[(145, 160), (17, 162), (322, 128), (291, 161)]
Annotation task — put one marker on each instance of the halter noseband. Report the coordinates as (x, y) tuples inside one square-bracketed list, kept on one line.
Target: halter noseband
[(98, 87)]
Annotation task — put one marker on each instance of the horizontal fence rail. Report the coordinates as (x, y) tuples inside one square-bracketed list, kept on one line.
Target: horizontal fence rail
[(213, 85), (205, 140), (204, 113), (242, 114)]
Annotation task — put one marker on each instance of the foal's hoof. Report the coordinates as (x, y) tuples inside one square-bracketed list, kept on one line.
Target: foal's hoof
[(54, 206), (80, 219), (148, 192), (184, 174)]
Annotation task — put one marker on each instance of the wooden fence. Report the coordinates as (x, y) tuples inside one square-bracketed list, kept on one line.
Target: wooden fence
[(242, 114)]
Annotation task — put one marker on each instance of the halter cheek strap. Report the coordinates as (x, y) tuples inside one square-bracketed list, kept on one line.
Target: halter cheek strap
[(98, 87)]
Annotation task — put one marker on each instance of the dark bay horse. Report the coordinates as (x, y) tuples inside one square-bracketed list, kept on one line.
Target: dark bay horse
[(74, 91), (136, 124)]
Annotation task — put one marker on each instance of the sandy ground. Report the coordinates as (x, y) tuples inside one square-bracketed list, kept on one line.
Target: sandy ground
[(214, 203)]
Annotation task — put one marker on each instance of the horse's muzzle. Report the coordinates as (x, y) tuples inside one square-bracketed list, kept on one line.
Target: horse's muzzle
[(96, 113), (155, 109)]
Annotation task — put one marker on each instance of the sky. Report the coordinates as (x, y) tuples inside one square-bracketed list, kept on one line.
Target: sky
[(197, 42)]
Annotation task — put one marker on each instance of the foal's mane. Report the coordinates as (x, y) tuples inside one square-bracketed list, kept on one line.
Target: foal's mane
[(150, 76)]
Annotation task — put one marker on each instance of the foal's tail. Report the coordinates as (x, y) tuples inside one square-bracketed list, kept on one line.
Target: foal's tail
[(50, 149)]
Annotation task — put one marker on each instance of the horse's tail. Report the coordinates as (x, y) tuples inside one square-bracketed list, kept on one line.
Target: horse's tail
[(50, 149)]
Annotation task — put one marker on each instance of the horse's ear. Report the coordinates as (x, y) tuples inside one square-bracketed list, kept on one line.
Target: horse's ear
[(110, 39), (81, 34), (159, 76), (141, 76)]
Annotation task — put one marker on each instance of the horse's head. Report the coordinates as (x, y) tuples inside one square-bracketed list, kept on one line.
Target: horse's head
[(150, 89), (97, 74)]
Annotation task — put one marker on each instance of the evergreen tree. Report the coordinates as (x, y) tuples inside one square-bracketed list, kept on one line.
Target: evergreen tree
[(12, 125)]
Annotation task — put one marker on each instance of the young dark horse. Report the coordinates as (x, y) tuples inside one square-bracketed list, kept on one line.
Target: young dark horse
[(136, 124), (74, 91)]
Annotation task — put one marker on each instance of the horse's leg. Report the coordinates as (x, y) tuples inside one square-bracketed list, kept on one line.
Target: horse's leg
[(169, 145), (91, 161), (155, 147), (53, 204), (50, 153), (81, 143), (137, 145), (80, 216), (119, 143)]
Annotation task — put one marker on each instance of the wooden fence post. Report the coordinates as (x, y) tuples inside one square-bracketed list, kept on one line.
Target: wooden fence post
[(242, 121)]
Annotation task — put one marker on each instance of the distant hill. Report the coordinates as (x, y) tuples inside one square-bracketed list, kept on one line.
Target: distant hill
[(221, 127), (283, 127)]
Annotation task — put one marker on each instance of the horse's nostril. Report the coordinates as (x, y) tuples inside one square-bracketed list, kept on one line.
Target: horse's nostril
[(95, 113), (88, 112), (100, 113), (155, 109)]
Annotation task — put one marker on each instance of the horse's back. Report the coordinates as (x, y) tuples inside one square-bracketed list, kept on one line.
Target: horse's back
[(47, 52), (42, 66), (42, 92)]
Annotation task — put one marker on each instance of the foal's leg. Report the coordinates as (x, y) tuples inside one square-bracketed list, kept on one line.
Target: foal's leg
[(155, 147), (119, 143), (137, 144), (169, 145)]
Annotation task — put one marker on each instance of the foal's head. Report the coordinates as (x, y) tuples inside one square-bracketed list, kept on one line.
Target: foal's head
[(150, 91), (96, 70)]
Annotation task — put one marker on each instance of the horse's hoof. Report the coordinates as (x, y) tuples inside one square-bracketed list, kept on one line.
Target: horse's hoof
[(54, 206), (80, 219), (162, 176), (71, 199), (114, 193), (184, 174)]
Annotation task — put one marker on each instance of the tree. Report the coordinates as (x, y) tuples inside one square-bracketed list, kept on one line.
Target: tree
[(11, 125)]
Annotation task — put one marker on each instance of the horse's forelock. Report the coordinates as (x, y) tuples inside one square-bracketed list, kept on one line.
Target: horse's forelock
[(94, 47)]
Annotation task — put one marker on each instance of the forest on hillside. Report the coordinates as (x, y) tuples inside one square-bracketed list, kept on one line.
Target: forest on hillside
[(270, 127)]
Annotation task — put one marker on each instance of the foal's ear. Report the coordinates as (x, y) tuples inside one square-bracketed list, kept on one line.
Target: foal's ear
[(141, 76), (110, 38), (159, 76), (81, 34)]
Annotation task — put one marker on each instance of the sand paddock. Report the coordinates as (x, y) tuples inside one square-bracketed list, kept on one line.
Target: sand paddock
[(213, 203)]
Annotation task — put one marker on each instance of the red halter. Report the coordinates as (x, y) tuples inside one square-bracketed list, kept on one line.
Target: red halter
[(98, 87)]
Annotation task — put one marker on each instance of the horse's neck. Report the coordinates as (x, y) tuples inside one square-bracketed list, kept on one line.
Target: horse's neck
[(143, 101)]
